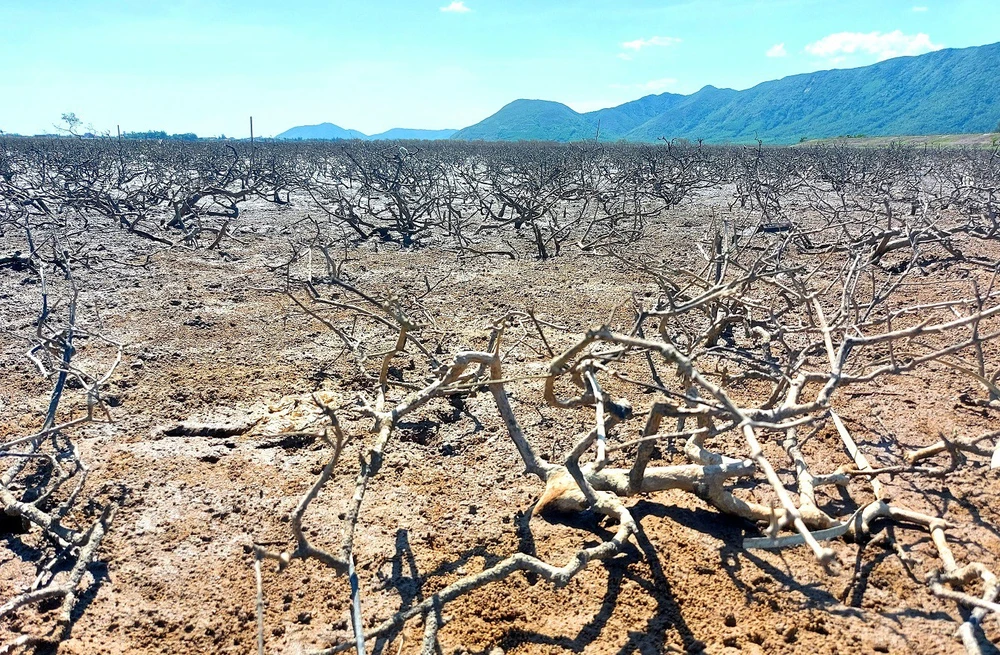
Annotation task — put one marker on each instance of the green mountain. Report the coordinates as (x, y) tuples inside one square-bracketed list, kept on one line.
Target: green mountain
[(943, 92), (619, 120), (531, 119)]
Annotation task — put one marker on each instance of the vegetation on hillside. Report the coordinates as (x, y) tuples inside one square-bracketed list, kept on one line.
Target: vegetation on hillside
[(943, 92)]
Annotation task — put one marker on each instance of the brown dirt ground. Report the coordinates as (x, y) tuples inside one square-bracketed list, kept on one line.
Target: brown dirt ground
[(208, 338), (986, 140)]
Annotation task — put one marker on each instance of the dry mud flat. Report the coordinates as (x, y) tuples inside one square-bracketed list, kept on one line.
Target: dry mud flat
[(212, 338)]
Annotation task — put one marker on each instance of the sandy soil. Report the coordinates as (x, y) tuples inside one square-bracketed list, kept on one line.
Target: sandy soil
[(208, 337)]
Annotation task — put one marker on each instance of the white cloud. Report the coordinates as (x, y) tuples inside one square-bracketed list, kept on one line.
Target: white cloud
[(639, 44), (457, 7), (777, 50), (883, 46), (624, 56), (920, 9)]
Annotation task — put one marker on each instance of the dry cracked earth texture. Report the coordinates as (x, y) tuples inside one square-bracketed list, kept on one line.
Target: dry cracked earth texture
[(210, 336)]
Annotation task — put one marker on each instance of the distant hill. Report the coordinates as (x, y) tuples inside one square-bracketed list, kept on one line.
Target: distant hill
[(403, 133), (325, 131), (329, 131), (943, 92), (531, 119)]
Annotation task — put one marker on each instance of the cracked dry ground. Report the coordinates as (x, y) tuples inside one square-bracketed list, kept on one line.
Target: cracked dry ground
[(210, 339)]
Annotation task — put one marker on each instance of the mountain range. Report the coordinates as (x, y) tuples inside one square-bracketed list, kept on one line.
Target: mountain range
[(329, 131), (942, 92)]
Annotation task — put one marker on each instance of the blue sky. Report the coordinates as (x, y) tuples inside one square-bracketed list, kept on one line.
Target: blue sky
[(204, 66)]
